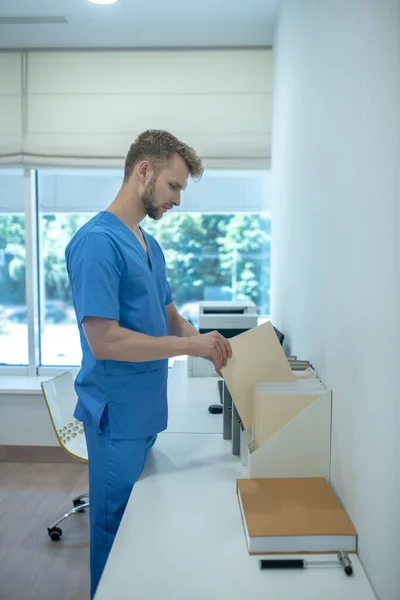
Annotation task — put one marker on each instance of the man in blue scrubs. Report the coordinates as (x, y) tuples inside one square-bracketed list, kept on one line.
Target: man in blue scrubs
[(129, 327)]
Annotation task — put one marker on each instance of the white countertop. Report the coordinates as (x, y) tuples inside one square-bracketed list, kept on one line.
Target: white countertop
[(182, 537)]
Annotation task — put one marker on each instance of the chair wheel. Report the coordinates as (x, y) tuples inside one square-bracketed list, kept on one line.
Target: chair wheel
[(79, 503), (55, 533)]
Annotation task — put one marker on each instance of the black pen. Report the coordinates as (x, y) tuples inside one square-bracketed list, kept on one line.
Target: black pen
[(301, 563)]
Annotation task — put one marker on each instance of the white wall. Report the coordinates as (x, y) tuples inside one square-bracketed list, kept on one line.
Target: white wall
[(25, 421), (335, 263)]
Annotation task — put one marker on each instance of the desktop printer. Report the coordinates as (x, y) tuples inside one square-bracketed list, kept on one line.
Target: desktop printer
[(230, 319)]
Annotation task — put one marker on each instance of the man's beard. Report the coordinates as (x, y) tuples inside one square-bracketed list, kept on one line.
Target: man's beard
[(149, 201)]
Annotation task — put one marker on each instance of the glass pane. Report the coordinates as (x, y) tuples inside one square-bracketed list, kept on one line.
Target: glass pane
[(13, 311), (230, 191), (60, 344)]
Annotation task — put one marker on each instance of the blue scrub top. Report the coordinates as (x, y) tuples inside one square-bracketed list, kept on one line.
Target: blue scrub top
[(112, 277)]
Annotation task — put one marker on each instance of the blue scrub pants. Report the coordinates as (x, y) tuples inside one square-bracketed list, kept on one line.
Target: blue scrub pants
[(114, 467)]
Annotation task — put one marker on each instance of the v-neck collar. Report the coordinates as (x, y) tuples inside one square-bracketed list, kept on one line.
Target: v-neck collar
[(147, 255)]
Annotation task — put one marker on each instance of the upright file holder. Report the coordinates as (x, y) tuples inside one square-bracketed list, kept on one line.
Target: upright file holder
[(236, 429), (301, 448), (227, 413)]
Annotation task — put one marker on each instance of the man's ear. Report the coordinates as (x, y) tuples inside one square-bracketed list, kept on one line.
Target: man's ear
[(144, 170)]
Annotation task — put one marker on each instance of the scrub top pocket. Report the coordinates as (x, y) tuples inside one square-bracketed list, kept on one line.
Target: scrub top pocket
[(135, 404)]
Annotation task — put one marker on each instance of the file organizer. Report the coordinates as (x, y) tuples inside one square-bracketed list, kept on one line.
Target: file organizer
[(246, 435), (298, 445), (291, 433)]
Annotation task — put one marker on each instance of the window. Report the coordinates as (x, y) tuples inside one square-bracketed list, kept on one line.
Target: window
[(13, 308), (216, 245)]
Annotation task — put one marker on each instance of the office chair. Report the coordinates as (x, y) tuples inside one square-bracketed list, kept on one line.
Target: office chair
[(60, 397)]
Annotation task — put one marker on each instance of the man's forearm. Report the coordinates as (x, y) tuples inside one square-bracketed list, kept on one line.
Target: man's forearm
[(109, 341), (182, 328), (112, 342), (145, 347)]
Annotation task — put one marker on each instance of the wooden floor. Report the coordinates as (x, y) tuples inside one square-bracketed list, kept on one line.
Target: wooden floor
[(32, 567)]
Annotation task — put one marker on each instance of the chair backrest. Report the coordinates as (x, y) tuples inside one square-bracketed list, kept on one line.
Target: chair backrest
[(60, 396)]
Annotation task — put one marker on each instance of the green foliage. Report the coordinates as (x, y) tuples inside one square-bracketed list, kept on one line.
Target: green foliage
[(208, 256), (207, 253), (56, 232), (12, 259)]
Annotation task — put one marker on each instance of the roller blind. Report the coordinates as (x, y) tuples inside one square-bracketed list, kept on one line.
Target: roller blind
[(84, 108), (10, 107)]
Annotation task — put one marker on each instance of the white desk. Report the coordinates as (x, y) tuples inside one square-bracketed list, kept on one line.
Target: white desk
[(188, 402), (182, 537)]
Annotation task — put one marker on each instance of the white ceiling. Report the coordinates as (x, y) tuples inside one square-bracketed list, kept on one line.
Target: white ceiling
[(140, 24)]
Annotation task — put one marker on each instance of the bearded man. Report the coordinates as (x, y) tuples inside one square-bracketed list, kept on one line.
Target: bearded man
[(129, 327)]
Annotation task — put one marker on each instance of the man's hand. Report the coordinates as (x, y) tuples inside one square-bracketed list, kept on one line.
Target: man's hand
[(210, 345)]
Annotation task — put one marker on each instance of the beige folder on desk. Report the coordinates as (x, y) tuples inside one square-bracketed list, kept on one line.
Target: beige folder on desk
[(291, 431), (257, 356)]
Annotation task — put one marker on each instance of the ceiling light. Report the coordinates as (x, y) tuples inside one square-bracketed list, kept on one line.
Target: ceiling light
[(103, 1)]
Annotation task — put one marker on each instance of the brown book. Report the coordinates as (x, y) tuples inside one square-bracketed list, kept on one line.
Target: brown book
[(294, 516)]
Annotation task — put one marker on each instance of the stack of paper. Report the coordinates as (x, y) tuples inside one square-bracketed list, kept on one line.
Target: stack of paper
[(293, 516), (297, 364)]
